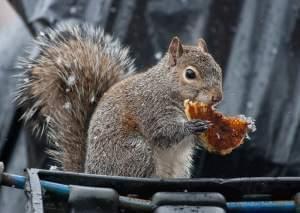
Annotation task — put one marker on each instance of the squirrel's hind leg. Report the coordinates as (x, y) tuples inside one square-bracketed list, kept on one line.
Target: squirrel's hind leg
[(130, 156)]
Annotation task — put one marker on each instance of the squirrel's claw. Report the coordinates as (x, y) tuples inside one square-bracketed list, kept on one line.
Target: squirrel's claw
[(197, 126)]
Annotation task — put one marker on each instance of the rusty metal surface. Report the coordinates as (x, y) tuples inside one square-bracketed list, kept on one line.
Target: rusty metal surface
[(33, 192)]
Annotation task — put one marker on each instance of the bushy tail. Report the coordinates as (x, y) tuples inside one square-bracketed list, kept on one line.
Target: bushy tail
[(60, 88)]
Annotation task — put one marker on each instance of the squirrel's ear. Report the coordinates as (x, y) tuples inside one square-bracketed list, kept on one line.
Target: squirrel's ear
[(175, 51), (202, 45)]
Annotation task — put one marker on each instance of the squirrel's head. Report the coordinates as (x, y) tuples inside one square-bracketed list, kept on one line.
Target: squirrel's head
[(199, 76)]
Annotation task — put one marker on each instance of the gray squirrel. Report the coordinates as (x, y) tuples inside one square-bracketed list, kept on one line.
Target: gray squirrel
[(102, 116)]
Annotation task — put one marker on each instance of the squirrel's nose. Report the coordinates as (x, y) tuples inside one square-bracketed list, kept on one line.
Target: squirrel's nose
[(216, 98)]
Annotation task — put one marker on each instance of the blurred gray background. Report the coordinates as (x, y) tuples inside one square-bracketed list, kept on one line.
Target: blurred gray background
[(256, 42)]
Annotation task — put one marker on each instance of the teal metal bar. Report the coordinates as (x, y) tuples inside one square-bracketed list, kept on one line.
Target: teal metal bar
[(60, 189), (18, 182), (15, 181), (262, 206)]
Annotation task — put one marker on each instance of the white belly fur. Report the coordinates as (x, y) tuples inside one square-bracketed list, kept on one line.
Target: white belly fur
[(175, 161)]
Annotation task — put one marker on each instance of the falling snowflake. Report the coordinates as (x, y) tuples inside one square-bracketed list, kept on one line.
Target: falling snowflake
[(71, 80), (93, 99), (158, 55), (67, 105)]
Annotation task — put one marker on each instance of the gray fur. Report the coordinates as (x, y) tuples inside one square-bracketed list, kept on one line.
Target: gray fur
[(60, 89), (154, 103)]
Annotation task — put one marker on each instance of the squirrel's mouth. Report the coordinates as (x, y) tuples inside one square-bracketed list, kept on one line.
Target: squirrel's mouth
[(207, 99)]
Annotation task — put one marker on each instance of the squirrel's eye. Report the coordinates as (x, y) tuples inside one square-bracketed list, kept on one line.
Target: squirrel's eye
[(190, 74)]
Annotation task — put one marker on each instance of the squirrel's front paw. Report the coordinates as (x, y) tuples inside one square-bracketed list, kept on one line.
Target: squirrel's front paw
[(196, 126)]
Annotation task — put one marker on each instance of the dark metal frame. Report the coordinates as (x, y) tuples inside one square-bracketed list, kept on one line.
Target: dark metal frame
[(56, 191), (233, 189)]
